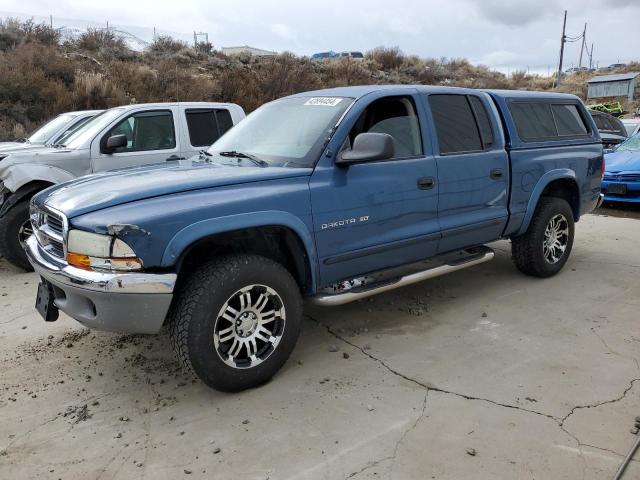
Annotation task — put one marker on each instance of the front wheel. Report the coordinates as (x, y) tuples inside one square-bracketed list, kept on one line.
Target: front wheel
[(15, 228), (544, 249), (236, 320)]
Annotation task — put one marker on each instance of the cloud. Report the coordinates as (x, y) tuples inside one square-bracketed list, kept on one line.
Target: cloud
[(283, 31), (623, 3), (517, 12)]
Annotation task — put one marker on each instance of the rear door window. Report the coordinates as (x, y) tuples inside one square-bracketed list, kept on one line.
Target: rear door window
[(224, 121), (484, 124), (207, 125), (455, 124)]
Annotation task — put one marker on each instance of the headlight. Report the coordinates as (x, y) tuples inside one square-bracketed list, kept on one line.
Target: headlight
[(92, 251)]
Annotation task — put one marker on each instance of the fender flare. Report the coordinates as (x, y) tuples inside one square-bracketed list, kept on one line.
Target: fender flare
[(26, 191), (205, 228), (19, 175), (546, 179)]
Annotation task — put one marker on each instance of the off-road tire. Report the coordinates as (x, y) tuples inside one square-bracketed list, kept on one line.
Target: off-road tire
[(10, 247), (527, 250), (194, 311)]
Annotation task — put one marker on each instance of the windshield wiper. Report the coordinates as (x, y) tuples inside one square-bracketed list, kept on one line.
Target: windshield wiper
[(233, 153), (204, 153)]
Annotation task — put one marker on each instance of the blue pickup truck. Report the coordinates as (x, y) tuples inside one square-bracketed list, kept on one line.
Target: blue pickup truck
[(332, 196)]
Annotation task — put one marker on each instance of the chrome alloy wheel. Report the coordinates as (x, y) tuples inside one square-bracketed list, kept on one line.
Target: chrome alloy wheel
[(25, 231), (249, 326), (556, 238)]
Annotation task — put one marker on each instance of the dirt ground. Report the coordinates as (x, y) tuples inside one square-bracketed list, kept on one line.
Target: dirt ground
[(482, 374)]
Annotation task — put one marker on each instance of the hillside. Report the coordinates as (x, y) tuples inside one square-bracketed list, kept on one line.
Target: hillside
[(41, 76)]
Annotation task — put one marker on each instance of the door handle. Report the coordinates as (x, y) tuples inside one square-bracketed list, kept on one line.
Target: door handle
[(174, 157), (425, 183), (496, 173)]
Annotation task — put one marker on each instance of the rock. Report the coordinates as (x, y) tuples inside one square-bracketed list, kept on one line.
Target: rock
[(118, 435), (69, 345), (300, 362), (471, 451), (216, 450), (484, 315), (187, 471), (333, 348), (245, 422), (370, 408), (345, 355), (366, 346), (124, 419)]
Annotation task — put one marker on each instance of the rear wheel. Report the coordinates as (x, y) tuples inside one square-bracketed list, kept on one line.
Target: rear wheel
[(236, 320), (544, 249), (15, 228)]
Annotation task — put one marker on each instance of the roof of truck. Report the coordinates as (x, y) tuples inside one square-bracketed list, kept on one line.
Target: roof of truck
[(76, 113), (177, 104), (362, 90)]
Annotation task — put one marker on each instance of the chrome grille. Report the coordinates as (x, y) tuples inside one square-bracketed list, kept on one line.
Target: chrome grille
[(623, 177), (49, 228)]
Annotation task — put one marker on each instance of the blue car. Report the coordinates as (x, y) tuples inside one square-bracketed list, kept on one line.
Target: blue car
[(621, 182)]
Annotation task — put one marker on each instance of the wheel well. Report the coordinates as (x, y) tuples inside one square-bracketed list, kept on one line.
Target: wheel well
[(278, 243), (567, 189), (26, 191)]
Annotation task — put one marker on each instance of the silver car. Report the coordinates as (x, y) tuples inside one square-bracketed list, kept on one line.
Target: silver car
[(121, 137), (51, 132)]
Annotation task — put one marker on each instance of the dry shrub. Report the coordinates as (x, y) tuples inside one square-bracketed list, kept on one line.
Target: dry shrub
[(94, 91), (95, 40), (13, 33), (388, 58), (165, 46), (40, 78)]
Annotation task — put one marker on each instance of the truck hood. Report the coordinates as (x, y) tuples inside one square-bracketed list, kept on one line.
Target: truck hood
[(30, 154), (622, 161), (8, 146), (103, 190)]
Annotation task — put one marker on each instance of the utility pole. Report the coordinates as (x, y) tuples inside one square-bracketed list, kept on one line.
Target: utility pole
[(562, 40), (584, 39), (51, 21), (591, 57)]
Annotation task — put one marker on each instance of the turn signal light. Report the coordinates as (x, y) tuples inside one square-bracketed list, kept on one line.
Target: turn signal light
[(78, 260)]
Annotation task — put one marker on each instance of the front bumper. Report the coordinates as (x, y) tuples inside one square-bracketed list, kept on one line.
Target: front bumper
[(632, 195), (118, 302)]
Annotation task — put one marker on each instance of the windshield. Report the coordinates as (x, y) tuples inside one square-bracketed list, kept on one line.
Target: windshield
[(631, 144), (45, 132), (91, 128), (287, 132)]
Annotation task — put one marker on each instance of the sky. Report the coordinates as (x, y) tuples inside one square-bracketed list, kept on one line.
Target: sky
[(505, 35)]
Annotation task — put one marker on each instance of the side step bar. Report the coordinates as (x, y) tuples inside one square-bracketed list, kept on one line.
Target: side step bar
[(332, 300)]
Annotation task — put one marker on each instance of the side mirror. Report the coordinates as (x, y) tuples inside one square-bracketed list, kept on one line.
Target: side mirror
[(368, 147), (115, 141)]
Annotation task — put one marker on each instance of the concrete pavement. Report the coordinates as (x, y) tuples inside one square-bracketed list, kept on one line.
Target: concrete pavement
[(481, 374)]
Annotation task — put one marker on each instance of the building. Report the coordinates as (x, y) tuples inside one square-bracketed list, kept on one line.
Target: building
[(610, 86), (247, 50)]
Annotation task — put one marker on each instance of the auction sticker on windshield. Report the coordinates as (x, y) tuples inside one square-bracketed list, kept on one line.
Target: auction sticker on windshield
[(323, 101)]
